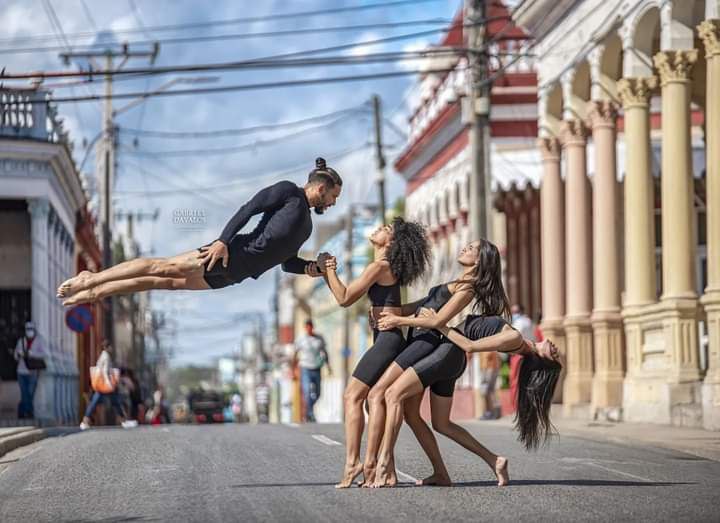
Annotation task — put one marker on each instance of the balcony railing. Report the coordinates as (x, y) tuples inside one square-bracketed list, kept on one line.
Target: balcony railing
[(23, 116)]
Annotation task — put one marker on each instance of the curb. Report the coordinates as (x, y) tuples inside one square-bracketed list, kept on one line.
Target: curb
[(21, 438)]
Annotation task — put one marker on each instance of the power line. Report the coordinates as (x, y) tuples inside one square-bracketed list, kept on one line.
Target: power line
[(254, 182), (225, 37), (245, 130), (246, 87), (266, 18), (237, 148), (262, 63)]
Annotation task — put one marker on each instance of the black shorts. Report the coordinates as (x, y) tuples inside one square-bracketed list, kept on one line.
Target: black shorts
[(420, 343), (441, 368), (220, 276), (386, 347)]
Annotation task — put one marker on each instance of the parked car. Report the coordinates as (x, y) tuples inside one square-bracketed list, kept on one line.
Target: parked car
[(206, 406)]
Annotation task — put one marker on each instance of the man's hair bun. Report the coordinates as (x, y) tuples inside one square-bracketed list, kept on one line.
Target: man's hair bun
[(320, 163)]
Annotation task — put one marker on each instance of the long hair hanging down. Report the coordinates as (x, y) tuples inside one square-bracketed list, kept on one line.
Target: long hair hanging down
[(536, 386), (486, 282), (409, 251)]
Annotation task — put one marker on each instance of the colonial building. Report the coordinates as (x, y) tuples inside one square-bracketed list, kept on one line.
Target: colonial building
[(436, 164), (631, 255), (40, 198)]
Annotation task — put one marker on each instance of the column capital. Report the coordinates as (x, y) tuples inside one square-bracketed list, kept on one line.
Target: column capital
[(573, 133), (549, 149), (675, 66), (39, 208), (636, 92), (709, 31), (602, 114)]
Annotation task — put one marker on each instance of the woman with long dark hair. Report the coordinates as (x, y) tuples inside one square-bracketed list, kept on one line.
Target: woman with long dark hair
[(401, 256), (449, 299), (440, 368)]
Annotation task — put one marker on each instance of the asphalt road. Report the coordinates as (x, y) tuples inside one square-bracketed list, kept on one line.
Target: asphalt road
[(287, 473)]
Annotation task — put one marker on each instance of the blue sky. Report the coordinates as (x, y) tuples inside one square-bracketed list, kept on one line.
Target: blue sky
[(246, 171)]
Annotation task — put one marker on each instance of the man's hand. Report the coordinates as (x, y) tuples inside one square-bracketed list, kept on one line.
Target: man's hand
[(312, 270), (388, 321), (217, 251)]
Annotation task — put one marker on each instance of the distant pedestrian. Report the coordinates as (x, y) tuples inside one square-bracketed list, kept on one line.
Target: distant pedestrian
[(105, 380), (311, 356), (29, 354), (262, 402), (524, 325)]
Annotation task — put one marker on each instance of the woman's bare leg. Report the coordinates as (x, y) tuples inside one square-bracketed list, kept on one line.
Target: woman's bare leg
[(131, 285), (376, 420), (440, 406), (425, 437), (353, 398), (179, 266), (407, 385)]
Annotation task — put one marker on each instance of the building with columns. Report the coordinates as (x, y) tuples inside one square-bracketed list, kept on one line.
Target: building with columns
[(629, 133), (436, 164), (40, 199)]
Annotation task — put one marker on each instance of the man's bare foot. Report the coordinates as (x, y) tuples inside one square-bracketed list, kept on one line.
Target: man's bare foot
[(77, 283), (86, 296), (350, 473), (436, 480), (501, 471), (368, 475)]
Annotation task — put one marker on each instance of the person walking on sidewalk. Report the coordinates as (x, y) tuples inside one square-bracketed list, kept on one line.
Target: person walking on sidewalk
[(105, 384), (311, 356), (30, 354)]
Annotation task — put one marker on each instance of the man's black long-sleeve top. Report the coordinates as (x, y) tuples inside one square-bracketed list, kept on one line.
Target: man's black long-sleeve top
[(286, 224)]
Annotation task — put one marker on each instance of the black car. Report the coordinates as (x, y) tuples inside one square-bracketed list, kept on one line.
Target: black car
[(206, 407)]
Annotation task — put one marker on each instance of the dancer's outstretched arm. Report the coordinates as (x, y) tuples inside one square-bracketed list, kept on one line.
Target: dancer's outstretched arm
[(347, 295)]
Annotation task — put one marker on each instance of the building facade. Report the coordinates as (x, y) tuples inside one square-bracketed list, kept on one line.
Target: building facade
[(630, 92), (40, 197), (437, 166)]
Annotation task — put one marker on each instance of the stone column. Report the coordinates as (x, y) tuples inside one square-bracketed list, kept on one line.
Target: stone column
[(679, 305), (552, 210), (640, 274), (578, 260), (709, 31), (606, 318)]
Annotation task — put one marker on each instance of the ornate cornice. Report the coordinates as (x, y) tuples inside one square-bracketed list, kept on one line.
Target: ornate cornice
[(636, 92), (675, 66), (709, 32)]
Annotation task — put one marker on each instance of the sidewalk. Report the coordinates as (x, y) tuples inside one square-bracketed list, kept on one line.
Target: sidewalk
[(697, 442), (12, 438)]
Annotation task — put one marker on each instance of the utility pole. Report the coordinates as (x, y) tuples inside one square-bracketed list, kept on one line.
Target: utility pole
[(348, 277), (478, 114), (106, 153), (379, 155)]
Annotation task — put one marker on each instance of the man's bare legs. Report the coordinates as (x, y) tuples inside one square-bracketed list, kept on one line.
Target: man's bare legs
[(407, 385), (353, 398), (440, 476), (143, 283), (440, 407), (180, 266), (376, 422)]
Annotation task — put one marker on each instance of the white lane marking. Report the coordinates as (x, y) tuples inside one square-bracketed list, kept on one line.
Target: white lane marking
[(619, 472), (402, 475), (325, 440), (293, 425)]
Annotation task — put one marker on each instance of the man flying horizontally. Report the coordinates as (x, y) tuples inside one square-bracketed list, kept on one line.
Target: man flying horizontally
[(286, 224)]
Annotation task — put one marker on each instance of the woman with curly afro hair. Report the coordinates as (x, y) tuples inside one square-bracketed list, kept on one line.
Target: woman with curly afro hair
[(401, 256)]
